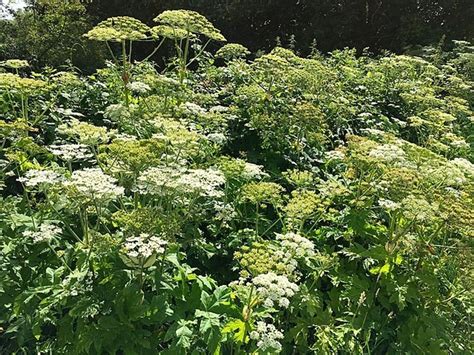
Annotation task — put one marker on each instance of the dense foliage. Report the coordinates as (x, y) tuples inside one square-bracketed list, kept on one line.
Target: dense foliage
[(224, 206)]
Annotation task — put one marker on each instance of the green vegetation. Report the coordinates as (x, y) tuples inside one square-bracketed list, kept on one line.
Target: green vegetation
[(220, 205)]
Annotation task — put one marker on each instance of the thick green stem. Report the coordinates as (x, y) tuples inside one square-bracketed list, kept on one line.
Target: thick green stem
[(125, 74), (201, 51), (257, 218), (23, 107), (85, 225), (112, 53), (154, 51), (60, 257)]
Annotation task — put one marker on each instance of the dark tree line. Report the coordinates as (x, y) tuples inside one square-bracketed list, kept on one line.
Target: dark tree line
[(377, 24), (49, 32)]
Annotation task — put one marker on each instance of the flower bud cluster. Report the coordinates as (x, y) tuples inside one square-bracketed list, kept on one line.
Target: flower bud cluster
[(262, 193), (261, 258), (118, 29)]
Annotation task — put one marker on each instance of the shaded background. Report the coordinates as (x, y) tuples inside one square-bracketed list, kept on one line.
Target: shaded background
[(377, 24)]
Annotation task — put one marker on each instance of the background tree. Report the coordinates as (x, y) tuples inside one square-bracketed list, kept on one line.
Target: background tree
[(50, 32)]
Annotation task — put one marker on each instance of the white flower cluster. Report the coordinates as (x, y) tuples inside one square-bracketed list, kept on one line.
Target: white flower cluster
[(253, 171), (448, 174), (335, 155), (295, 244), (225, 212), (452, 191), (194, 109), (138, 87), (205, 182), (217, 138), (456, 141), (44, 233), (288, 264), (117, 112), (273, 288), (267, 337), (388, 205), (35, 178), (374, 132), (163, 79), (465, 165), (71, 152), (218, 109), (144, 246), (332, 188), (84, 132), (154, 181), (92, 183), (388, 153)]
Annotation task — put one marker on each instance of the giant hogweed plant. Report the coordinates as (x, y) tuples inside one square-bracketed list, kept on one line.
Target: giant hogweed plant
[(14, 87), (183, 27), (264, 207), (123, 30)]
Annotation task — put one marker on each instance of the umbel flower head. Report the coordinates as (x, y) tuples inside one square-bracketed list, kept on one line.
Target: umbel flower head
[(267, 337), (44, 233), (160, 180), (93, 184), (142, 250), (71, 152), (238, 169), (34, 178), (15, 63), (189, 21), (170, 32), (262, 193), (262, 258), (274, 289), (118, 29), (83, 132), (232, 51), (25, 86), (296, 245), (138, 87), (388, 153)]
